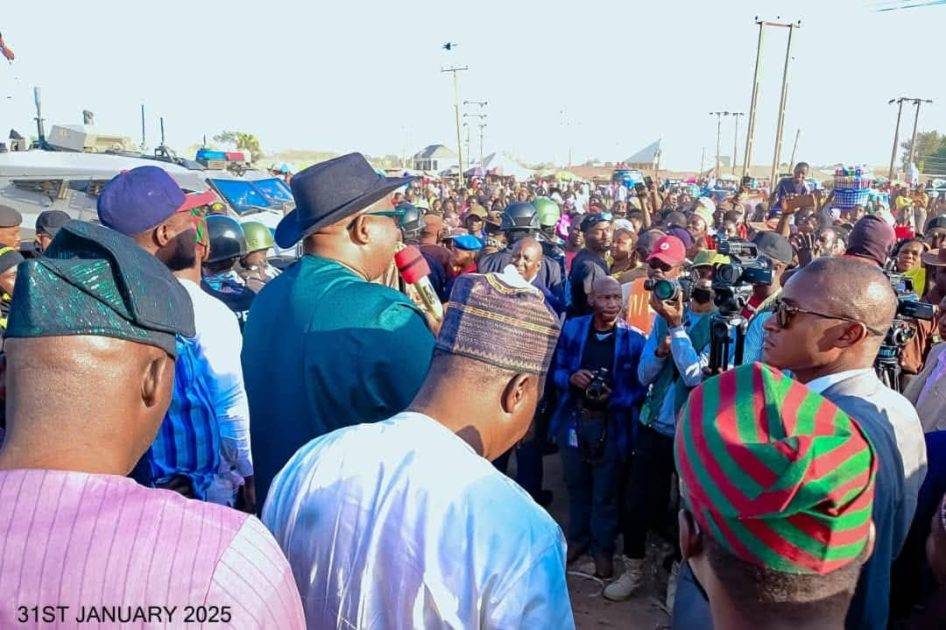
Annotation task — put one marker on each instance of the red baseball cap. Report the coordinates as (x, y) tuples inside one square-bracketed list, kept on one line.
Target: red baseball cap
[(670, 250)]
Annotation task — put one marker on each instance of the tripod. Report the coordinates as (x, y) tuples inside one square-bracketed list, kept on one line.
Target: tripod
[(727, 341), (887, 366)]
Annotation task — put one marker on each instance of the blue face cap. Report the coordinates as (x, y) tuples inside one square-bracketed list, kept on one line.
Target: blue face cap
[(137, 200)]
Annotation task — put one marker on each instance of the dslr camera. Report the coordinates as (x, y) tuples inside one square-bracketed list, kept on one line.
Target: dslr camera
[(596, 390), (670, 290), (733, 282)]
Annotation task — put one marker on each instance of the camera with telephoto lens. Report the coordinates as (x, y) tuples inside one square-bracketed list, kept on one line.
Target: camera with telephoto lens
[(669, 290), (733, 281), (597, 390)]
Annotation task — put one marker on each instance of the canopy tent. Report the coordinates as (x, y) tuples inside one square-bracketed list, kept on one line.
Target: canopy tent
[(500, 164)]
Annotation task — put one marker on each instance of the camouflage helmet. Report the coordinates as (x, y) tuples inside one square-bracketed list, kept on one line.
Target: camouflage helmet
[(548, 211), (520, 215), (258, 236)]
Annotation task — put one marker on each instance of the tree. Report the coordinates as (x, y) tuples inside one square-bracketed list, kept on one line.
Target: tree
[(242, 141), (927, 143)]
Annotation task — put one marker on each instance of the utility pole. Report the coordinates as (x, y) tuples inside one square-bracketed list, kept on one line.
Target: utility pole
[(482, 127), (467, 127), (750, 133), (719, 130), (456, 110), (916, 121), (143, 140), (791, 162), (896, 132), (702, 162), (735, 139), (781, 108)]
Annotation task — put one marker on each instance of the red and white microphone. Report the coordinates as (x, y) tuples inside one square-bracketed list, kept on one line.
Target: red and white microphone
[(414, 270)]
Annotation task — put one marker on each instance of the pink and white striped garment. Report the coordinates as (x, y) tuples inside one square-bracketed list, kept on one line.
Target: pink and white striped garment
[(105, 550)]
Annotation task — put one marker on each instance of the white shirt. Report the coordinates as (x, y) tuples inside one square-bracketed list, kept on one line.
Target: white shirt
[(822, 383), (218, 334), (402, 524)]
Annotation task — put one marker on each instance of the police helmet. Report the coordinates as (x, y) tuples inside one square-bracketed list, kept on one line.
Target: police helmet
[(548, 211), (226, 238), (410, 220), (520, 215)]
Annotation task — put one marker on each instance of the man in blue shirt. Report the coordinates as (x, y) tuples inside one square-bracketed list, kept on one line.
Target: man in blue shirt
[(324, 347), (598, 397)]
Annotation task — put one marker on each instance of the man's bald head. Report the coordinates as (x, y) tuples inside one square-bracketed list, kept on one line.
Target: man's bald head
[(833, 318), (849, 287), (527, 257), (528, 245), (605, 284), (605, 299)]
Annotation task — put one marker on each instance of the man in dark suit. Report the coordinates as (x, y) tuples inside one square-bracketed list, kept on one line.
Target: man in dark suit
[(827, 328)]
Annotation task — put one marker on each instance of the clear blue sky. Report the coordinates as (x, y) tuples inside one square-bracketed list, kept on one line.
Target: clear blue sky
[(365, 75)]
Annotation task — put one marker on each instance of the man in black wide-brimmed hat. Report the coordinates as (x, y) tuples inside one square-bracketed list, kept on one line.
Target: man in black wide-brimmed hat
[(324, 347)]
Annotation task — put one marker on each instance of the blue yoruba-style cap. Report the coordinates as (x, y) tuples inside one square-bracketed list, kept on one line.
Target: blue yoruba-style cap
[(467, 242), (135, 201), (94, 281)]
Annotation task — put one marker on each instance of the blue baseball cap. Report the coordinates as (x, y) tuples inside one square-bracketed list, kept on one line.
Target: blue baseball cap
[(135, 201)]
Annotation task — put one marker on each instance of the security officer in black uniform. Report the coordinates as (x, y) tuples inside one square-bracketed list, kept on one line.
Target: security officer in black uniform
[(521, 219), (227, 246)]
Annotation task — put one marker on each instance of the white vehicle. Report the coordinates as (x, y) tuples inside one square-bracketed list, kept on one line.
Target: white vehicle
[(37, 180)]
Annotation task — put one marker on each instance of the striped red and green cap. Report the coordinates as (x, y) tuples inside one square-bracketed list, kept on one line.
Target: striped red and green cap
[(775, 473)]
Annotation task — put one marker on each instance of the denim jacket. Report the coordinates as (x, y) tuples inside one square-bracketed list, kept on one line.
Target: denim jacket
[(628, 395)]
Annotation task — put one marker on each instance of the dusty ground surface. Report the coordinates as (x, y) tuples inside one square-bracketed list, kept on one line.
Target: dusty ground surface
[(644, 611)]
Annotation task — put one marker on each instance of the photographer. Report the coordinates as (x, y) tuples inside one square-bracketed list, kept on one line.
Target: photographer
[(672, 363), (778, 251), (598, 397)]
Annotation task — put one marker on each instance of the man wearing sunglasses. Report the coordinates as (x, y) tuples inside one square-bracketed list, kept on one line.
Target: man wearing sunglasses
[(826, 327), (324, 346)]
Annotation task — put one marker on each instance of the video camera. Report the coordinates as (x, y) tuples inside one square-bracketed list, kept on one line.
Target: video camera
[(733, 282), (901, 331)]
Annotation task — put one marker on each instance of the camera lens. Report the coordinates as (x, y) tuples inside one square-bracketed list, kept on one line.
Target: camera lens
[(665, 290)]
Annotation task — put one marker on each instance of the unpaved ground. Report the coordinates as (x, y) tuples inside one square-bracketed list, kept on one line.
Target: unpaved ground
[(644, 611)]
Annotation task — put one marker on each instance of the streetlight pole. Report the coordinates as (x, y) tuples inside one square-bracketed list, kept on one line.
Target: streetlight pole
[(456, 110), (482, 124), (896, 133), (781, 108), (735, 139), (719, 131)]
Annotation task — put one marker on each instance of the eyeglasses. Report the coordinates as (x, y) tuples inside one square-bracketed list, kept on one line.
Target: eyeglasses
[(393, 214), (785, 312)]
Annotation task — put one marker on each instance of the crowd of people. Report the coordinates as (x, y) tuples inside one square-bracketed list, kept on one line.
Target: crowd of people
[(745, 389)]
